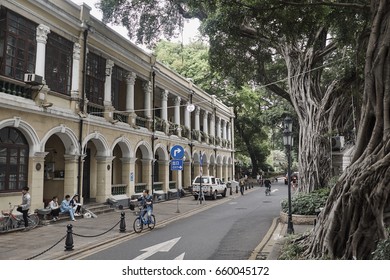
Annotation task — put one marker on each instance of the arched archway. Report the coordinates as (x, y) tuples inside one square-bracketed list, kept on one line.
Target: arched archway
[(96, 168), (122, 176), (142, 172), (61, 163)]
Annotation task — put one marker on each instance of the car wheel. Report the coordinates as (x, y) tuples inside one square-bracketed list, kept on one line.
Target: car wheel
[(224, 193), (215, 195)]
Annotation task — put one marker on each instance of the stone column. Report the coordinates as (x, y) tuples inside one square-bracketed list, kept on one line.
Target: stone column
[(218, 128), (229, 136), (103, 180), (71, 174), (164, 105), (128, 175), (74, 92), (147, 87), (177, 115), (41, 37), (36, 177), (164, 174), (130, 82), (147, 173), (197, 121), (224, 130), (187, 174), (205, 122), (107, 84), (187, 119), (212, 125)]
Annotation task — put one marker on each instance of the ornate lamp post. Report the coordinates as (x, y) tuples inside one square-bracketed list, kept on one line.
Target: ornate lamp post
[(287, 141)]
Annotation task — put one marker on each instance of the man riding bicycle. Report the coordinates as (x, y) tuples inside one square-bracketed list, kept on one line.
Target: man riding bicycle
[(267, 184), (146, 202)]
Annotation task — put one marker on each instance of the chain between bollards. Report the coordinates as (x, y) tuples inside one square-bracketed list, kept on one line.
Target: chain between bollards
[(122, 226)]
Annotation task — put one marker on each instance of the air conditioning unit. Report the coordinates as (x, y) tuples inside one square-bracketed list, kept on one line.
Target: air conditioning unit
[(33, 79), (337, 143)]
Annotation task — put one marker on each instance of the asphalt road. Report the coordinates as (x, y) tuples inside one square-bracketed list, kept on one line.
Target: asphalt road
[(228, 231)]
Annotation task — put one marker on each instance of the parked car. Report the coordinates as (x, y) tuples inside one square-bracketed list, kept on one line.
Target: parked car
[(211, 187), (294, 177)]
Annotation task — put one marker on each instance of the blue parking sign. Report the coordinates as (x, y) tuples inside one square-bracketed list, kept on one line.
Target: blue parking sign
[(176, 164)]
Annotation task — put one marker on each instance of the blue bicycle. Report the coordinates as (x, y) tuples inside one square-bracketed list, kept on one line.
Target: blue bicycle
[(143, 220)]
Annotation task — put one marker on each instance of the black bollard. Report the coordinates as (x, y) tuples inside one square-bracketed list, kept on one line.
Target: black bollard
[(236, 189), (122, 226), (246, 186), (231, 190), (69, 238)]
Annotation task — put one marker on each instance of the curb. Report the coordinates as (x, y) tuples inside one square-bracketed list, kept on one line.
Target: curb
[(265, 240)]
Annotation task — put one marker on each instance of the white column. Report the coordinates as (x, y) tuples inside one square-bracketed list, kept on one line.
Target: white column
[(147, 86), (187, 120), (41, 37), (229, 136), (177, 110), (205, 122), (224, 129), (130, 81), (75, 70), (212, 124), (164, 105), (218, 128), (197, 119), (107, 84)]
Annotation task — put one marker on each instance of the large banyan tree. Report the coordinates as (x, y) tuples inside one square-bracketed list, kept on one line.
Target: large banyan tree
[(308, 36), (358, 209)]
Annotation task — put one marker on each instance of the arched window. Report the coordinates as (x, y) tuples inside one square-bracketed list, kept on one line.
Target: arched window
[(14, 153)]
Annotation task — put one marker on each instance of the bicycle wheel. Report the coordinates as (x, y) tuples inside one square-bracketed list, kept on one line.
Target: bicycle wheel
[(152, 222), (5, 224), (33, 221), (138, 225)]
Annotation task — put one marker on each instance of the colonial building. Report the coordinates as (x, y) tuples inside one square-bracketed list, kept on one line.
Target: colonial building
[(83, 110)]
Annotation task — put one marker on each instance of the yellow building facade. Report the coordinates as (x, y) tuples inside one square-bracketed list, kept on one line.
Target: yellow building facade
[(83, 110)]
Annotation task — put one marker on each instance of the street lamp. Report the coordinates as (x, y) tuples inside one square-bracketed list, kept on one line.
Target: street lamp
[(287, 141)]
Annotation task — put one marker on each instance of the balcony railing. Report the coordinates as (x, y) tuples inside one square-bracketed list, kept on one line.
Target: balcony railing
[(157, 186), (160, 124), (96, 110), (141, 121), (118, 189), (139, 187), (122, 117), (172, 184), (15, 89)]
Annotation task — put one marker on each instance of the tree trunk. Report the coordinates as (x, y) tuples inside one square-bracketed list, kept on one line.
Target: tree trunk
[(358, 209), (312, 107)]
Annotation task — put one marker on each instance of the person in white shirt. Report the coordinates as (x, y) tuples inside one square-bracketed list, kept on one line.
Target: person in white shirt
[(74, 202), (55, 208)]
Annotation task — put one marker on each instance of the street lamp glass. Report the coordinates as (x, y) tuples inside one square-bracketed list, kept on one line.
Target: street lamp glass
[(288, 124), (287, 138)]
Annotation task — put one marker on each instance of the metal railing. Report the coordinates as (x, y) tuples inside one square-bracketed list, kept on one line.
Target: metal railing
[(118, 189)]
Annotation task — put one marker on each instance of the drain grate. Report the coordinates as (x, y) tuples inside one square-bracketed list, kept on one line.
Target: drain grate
[(267, 201), (241, 208)]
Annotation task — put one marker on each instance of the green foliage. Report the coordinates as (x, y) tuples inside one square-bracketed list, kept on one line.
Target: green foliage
[(307, 203), (291, 250), (382, 251)]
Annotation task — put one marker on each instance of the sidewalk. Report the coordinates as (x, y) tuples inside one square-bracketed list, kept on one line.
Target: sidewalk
[(272, 243), (48, 242)]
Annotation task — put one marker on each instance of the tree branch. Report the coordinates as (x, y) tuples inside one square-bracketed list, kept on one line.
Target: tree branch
[(330, 4)]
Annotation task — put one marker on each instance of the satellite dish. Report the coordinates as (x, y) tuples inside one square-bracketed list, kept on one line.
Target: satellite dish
[(190, 107)]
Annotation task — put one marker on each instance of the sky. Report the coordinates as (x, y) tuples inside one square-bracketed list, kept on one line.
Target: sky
[(190, 30)]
